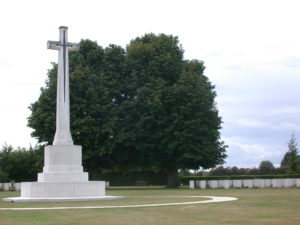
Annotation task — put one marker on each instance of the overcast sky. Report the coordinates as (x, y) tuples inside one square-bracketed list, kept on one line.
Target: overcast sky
[(251, 51)]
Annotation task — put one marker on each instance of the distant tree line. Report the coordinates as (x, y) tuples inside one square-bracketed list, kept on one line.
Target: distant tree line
[(265, 168)]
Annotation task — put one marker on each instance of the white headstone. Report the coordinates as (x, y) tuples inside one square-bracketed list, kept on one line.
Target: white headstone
[(298, 182), (17, 186), (213, 184), (7, 186), (202, 184), (288, 183), (227, 184), (237, 183), (278, 183), (192, 184), (259, 183), (248, 183), (221, 184), (268, 183)]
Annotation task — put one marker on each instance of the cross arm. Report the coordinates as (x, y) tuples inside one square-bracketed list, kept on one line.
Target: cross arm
[(54, 45), (73, 46)]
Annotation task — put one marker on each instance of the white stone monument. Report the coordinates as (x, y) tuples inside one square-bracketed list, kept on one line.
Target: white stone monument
[(63, 178)]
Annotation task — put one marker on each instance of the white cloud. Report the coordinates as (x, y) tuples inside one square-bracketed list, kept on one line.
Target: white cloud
[(246, 155), (289, 126), (294, 109), (251, 123)]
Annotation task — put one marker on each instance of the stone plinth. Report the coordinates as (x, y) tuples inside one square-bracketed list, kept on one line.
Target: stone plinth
[(62, 179), (62, 189), (62, 164)]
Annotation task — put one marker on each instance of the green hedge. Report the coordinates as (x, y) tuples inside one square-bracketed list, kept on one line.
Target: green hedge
[(186, 179), (131, 178)]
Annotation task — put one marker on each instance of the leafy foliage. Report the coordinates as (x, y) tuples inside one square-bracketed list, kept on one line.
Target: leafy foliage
[(20, 164), (266, 167)]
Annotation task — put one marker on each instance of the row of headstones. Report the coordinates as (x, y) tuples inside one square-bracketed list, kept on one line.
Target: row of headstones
[(10, 186), (253, 183)]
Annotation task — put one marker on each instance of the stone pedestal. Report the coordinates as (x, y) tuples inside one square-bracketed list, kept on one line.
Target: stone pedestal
[(63, 163), (62, 179), (62, 189), (62, 176)]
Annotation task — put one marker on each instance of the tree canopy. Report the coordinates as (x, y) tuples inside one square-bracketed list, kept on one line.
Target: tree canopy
[(143, 107), (266, 167)]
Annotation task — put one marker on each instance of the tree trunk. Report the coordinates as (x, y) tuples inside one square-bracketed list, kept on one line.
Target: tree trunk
[(173, 178)]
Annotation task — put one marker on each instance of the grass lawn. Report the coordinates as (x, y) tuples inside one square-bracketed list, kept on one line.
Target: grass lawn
[(255, 206)]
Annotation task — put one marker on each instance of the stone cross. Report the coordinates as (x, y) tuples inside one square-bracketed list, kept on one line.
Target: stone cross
[(63, 134)]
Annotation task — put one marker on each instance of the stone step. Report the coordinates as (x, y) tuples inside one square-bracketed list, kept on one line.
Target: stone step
[(60, 177), (62, 189)]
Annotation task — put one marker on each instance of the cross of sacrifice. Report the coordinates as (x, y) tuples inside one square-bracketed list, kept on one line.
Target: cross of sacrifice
[(63, 134)]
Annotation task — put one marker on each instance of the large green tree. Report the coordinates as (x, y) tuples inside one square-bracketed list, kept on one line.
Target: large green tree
[(173, 118), (143, 107)]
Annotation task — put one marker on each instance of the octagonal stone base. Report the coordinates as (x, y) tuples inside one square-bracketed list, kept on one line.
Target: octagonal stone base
[(62, 179), (62, 191)]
